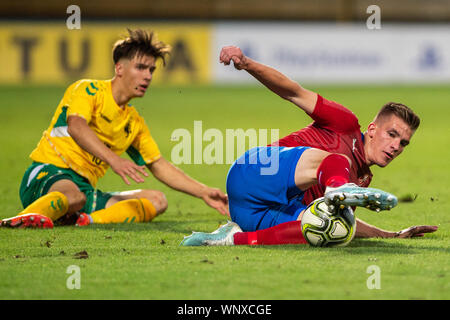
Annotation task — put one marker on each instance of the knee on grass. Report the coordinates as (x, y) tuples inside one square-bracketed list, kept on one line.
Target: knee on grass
[(76, 200), (157, 198)]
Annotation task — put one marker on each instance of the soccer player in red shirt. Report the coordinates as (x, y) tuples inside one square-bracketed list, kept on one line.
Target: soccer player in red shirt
[(330, 158)]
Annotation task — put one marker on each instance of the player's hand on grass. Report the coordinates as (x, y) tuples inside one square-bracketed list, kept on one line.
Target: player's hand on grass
[(232, 53), (216, 199), (415, 231), (128, 169)]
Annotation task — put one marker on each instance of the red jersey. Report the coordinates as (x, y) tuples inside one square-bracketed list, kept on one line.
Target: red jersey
[(335, 129)]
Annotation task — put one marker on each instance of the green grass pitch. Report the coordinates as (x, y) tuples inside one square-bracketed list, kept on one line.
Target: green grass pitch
[(144, 261)]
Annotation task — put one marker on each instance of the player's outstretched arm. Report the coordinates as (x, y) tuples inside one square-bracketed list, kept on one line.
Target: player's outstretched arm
[(175, 178), (271, 78), (365, 230), (415, 231), (83, 135)]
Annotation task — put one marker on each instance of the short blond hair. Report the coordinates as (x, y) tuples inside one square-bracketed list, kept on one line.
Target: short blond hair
[(401, 111)]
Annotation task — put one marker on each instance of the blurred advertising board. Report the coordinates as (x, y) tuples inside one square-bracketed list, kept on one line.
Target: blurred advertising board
[(335, 53), (50, 53)]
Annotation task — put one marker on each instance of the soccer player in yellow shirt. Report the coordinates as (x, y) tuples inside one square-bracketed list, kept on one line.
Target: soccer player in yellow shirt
[(92, 126)]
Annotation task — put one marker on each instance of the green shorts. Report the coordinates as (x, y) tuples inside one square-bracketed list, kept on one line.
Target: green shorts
[(39, 177)]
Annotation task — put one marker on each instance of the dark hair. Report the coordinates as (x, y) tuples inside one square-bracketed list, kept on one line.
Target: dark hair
[(140, 42), (401, 111)]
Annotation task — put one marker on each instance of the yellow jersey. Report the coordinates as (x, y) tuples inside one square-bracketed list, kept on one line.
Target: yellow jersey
[(121, 130)]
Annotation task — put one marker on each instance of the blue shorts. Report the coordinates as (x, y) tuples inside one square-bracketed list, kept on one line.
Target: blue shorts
[(261, 187)]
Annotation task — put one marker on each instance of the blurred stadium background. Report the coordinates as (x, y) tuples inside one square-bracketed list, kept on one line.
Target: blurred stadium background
[(322, 41), (325, 45)]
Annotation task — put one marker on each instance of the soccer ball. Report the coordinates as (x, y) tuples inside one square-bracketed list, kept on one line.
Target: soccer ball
[(322, 228)]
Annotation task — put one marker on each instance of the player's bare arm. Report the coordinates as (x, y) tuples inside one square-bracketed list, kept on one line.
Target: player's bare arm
[(271, 78), (175, 178), (83, 135), (365, 230)]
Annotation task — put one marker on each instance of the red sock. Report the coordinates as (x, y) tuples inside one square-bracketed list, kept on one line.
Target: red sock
[(334, 171), (284, 233)]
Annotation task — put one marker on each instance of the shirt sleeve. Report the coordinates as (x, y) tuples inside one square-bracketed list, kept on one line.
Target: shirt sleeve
[(81, 100), (334, 116), (144, 149)]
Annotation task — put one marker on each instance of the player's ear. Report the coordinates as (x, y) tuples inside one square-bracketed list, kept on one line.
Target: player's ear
[(119, 68), (371, 129)]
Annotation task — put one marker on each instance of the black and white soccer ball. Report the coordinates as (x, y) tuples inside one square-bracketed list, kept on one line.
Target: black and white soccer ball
[(322, 228)]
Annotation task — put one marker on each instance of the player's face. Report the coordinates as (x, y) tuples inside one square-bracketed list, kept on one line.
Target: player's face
[(388, 139), (137, 74)]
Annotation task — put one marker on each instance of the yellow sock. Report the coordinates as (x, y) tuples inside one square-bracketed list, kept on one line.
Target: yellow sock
[(53, 205), (133, 210)]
